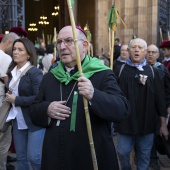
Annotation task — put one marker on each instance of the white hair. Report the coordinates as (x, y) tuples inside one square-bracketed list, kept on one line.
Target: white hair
[(143, 41)]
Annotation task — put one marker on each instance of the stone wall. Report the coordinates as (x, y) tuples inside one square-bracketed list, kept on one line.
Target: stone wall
[(140, 16)]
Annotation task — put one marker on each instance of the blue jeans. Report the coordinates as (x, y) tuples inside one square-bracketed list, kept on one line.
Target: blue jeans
[(28, 147), (143, 145)]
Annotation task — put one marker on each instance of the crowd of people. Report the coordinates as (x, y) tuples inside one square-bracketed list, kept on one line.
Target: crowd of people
[(48, 115)]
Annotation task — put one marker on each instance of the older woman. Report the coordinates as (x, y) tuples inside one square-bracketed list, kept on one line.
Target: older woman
[(28, 138)]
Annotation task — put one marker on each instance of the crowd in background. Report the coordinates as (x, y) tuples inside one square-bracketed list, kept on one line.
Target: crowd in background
[(139, 72)]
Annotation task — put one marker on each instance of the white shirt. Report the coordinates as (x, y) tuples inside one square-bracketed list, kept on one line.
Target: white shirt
[(69, 69), (16, 112), (47, 62), (5, 61), (167, 58)]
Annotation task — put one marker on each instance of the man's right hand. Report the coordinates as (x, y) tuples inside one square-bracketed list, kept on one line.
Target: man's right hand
[(58, 110)]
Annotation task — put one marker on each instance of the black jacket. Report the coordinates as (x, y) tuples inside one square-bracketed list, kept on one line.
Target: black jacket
[(67, 150)]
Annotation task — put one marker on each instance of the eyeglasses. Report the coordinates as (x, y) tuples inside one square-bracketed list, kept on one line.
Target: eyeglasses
[(153, 52), (133, 48), (124, 51), (67, 42)]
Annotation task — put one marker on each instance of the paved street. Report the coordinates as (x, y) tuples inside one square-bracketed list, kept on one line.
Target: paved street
[(163, 160)]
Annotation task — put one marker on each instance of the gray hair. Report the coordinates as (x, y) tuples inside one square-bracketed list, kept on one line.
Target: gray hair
[(9, 37)]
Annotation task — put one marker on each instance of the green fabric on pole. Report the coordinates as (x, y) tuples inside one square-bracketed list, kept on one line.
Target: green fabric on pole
[(73, 112), (89, 67), (134, 36), (89, 36), (72, 2), (112, 17)]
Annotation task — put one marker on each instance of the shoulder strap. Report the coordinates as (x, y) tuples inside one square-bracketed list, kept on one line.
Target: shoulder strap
[(23, 73), (121, 68), (152, 71)]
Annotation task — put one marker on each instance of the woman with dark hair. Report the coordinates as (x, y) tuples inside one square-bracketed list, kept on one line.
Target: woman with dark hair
[(28, 138)]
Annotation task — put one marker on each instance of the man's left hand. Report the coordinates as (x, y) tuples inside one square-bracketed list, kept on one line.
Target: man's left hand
[(85, 88), (164, 131), (168, 110)]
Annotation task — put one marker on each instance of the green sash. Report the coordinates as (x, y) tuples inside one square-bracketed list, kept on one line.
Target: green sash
[(89, 67)]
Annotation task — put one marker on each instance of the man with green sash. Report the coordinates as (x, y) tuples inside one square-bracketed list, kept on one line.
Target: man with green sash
[(59, 107)]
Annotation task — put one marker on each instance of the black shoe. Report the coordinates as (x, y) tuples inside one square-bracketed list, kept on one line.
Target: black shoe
[(10, 167), (154, 165), (11, 159)]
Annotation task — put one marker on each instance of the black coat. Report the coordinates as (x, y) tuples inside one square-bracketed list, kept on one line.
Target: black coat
[(146, 100), (65, 150)]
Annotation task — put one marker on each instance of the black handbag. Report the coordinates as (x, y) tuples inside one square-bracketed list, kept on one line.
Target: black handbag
[(6, 106)]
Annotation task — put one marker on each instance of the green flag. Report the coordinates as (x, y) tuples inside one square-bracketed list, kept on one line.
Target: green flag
[(89, 36), (112, 16), (72, 2)]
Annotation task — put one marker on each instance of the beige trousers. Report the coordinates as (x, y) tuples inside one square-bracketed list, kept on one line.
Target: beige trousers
[(5, 142)]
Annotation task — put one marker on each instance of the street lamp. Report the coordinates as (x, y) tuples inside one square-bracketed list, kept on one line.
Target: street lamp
[(56, 10), (43, 20), (32, 27)]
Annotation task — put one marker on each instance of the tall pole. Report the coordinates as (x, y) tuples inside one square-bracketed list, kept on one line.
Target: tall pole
[(89, 131)]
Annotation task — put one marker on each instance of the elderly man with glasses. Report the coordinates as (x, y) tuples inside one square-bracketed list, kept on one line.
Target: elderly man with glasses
[(141, 85), (60, 108), (152, 57)]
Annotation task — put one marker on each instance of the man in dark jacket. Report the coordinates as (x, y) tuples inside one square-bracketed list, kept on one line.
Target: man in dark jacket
[(141, 85), (60, 109), (117, 47), (152, 57), (165, 46)]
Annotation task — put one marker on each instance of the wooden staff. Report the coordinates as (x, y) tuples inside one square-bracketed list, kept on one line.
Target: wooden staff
[(110, 39), (88, 39), (48, 39), (112, 17), (112, 49), (91, 49), (43, 37), (88, 51), (54, 42), (168, 36), (89, 131), (161, 34)]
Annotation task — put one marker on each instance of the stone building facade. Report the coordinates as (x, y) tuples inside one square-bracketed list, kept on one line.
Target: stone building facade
[(147, 19), (144, 18)]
